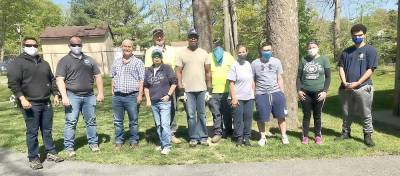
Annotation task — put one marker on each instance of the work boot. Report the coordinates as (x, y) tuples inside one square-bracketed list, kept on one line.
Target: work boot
[(343, 136), (216, 138), (239, 142), (35, 164), (368, 140)]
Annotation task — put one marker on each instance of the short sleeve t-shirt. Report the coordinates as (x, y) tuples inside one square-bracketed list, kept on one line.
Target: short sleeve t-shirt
[(78, 73), (219, 72), (242, 75), (193, 71), (266, 75), (356, 61), (313, 73)]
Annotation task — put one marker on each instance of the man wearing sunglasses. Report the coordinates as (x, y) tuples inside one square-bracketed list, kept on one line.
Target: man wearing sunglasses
[(356, 66), (32, 82), (76, 73)]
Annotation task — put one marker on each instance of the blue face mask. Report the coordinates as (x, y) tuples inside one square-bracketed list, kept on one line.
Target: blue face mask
[(266, 55), (218, 53), (358, 40)]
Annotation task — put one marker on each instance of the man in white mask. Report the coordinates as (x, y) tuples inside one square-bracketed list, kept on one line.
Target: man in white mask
[(32, 82), (76, 73)]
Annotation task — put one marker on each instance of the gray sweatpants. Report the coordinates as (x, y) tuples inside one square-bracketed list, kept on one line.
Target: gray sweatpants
[(357, 103)]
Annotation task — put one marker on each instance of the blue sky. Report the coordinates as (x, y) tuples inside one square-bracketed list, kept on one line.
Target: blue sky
[(350, 8)]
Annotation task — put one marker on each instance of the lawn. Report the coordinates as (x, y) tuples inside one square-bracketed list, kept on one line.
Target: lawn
[(12, 135)]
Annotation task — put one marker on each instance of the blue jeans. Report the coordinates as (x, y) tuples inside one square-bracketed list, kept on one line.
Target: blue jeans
[(120, 104), (195, 105), (242, 118), (162, 118), (86, 105), (39, 116)]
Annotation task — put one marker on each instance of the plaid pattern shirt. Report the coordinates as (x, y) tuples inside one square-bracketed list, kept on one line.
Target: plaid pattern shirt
[(127, 76)]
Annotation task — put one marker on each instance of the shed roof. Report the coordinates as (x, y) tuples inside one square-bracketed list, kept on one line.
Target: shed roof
[(69, 31)]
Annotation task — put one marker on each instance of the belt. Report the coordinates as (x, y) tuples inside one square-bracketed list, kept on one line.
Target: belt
[(124, 94)]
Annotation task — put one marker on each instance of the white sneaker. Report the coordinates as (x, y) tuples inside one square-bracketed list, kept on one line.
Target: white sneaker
[(268, 134), (285, 139), (262, 142), (165, 151), (158, 148)]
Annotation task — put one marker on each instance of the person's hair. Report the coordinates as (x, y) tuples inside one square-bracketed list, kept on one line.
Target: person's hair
[(75, 36), (241, 46), (358, 28), (264, 44), (29, 38), (313, 41)]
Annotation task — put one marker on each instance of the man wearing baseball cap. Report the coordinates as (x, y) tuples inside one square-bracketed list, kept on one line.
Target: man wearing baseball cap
[(169, 57), (194, 78)]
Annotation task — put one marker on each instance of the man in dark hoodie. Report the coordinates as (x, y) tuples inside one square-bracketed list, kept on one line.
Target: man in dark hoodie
[(32, 82)]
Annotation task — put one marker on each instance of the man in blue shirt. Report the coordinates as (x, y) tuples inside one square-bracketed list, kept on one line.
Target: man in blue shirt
[(356, 66)]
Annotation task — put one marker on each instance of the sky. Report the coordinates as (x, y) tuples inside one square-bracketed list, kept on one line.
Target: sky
[(350, 8)]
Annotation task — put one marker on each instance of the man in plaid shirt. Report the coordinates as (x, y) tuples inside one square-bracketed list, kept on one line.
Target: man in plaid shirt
[(127, 75)]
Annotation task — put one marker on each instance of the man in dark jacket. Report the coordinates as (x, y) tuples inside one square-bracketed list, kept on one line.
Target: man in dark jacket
[(32, 82)]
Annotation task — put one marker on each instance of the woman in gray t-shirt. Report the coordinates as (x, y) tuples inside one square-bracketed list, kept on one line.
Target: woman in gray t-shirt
[(242, 94)]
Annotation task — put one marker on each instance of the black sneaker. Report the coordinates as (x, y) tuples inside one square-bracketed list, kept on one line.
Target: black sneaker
[(239, 142), (343, 136), (368, 140), (35, 164), (54, 157), (247, 143)]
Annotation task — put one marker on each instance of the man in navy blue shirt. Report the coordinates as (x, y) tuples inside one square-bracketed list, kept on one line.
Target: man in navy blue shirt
[(356, 66)]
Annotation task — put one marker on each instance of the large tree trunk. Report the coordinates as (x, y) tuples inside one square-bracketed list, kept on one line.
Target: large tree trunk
[(202, 22), (235, 34), (397, 81), (227, 27), (282, 19), (336, 37)]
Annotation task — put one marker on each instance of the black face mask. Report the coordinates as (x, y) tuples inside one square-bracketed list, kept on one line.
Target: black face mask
[(242, 59)]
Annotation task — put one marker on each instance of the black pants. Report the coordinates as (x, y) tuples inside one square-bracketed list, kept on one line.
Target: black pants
[(39, 116), (312, 104), (242, 118), (221, 112)]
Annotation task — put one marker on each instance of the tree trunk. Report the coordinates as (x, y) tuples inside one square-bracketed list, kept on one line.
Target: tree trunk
[(336, 37), (282, 19), (235, 34), (397, 80), (202, 22), (227, 27)]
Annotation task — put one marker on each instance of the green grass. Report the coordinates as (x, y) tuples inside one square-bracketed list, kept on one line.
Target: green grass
[(12, 135)]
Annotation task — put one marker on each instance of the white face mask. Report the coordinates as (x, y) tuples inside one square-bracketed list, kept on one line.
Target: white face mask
[(32, 51), (312, 52), (76, 50)]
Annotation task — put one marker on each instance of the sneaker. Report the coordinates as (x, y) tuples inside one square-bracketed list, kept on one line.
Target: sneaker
[(262, 142), (158, 148), (165, 151), (304, 140), (216, 138), (239, 142), (285, 139), (54, 157), (35, 164), (70, 153), (268, 134), (192, 143), (204, 143), (175, 140), (343, 136), (247, 143), (94, 147), (318, 140), (368, 140), (134, 146), (118, 147)]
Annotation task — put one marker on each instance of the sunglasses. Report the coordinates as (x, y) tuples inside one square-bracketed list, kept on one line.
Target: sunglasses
[(75, 45), (30, 45)]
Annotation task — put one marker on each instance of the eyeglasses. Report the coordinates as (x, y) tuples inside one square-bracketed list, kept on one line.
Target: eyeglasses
[(75, 45), (30, 45)]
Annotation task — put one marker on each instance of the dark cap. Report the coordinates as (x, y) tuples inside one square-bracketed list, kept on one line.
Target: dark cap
[(192, 31), (156, 31), (156, 53)]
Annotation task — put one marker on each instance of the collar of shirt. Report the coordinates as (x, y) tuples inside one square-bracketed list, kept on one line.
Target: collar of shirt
[(130, 59), (76, 56)]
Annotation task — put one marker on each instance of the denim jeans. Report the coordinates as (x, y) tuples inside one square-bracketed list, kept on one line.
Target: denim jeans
[(86, 105), (196, 106), (174, 124), (120, 104), (242, 118), (162, 118), (39, 116), (221, 112)]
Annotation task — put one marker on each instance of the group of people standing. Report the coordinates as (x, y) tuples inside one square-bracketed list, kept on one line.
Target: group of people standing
[(229, 87)]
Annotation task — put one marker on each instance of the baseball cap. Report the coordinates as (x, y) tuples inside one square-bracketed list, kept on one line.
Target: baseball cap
[(156, 53), (192, 31), (156, 31)]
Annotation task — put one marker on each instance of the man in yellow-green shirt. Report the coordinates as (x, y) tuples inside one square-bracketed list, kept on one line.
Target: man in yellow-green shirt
[(169, 57), (221, 62)]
